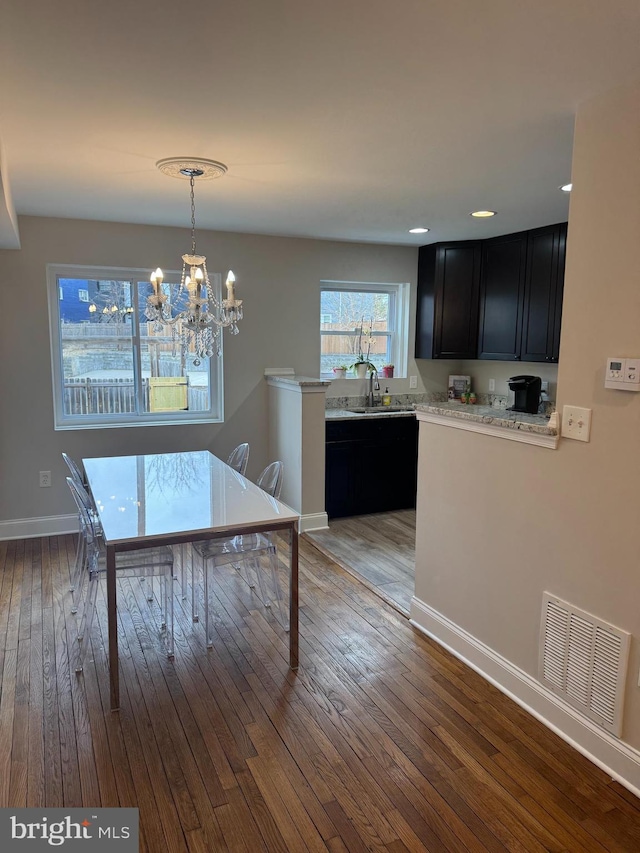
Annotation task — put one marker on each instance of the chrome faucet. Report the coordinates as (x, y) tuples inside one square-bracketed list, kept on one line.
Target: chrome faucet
[(374, 385)]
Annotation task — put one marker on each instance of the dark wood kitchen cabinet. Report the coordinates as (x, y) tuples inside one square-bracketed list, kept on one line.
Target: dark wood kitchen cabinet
[(498, 299), (371, 465), (544, 285), (448, 292), (521, 295), (502, 297)]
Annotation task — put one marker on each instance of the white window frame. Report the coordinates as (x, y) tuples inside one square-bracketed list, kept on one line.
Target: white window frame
[(398, 317), (63, 421), (83, 295)]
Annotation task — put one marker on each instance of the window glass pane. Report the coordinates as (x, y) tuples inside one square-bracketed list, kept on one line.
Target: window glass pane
[(171, 380), (336, 351), (354, 323), (96, 347), (348, 309)]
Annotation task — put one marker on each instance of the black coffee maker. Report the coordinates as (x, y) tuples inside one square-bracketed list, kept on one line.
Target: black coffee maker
[(526, 390)]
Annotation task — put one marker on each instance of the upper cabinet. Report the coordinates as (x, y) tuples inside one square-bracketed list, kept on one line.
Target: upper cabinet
[(502, 296), (544, 286), (448, 292), (492, 299)]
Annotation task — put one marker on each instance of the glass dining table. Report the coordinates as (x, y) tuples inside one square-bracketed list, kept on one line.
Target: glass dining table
[(173, 498)]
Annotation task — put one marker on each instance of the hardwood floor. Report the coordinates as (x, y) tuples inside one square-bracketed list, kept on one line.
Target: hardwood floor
[(381, 741), (379, 549)]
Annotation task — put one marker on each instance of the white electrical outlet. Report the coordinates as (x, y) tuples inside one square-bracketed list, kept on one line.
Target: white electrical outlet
[(576, 423), (45, 479), (492, 385), (413, 382)]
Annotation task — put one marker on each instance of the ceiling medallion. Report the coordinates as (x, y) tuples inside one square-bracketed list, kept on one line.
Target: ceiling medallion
[(187, 167)]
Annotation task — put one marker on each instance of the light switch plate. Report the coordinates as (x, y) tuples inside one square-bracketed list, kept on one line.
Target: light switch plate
[(413, 382), (576, 423)]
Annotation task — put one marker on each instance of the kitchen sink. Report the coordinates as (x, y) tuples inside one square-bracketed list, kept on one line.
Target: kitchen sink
[(380, 410)]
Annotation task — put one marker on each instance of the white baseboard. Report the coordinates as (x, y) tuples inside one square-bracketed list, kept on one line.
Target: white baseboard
[(618, 759), (29, 528), (314, 521)]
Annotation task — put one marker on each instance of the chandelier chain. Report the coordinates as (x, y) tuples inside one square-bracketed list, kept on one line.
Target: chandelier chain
[(193, 217)]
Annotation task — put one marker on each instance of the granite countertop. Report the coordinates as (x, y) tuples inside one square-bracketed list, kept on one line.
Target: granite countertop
[(294, 379), (489, 415), (379, 412)]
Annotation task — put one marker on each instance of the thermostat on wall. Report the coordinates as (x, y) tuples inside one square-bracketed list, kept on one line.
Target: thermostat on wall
[(622, 374)]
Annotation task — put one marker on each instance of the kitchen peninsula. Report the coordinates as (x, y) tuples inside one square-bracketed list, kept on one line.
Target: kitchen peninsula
[(541, 430)]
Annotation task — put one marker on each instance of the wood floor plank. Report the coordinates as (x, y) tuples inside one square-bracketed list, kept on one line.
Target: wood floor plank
[(71, 785), (53, 795), (13, 604), (380, 741), (271, 835), (7, 714), (35, 745), (278, 808)]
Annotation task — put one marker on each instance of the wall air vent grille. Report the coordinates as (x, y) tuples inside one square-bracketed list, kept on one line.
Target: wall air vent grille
[(584, 660)]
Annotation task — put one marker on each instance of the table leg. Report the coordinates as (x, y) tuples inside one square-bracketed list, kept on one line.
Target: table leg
[(293, 596), (112, 622)]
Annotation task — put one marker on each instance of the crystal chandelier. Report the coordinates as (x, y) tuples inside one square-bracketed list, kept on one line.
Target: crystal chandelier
[(199, 324)]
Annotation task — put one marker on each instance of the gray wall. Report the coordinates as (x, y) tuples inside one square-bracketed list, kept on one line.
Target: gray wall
[(277, 277)]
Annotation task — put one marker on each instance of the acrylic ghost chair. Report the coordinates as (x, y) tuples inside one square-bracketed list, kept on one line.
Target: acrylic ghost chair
[(81, 556), (237, 460), (144, 563), (247, 548)]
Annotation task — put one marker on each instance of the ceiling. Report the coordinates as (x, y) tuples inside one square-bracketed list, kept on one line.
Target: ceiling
[(340, 119)]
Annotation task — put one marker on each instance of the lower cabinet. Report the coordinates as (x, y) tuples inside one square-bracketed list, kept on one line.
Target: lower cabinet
[(371, 465)]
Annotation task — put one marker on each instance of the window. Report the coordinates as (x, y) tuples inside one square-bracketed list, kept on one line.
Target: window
[(366, 318), (111, 367)]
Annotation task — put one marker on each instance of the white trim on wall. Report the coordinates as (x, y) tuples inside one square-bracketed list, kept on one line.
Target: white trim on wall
[(29, 528), (314, 521), (618, 759)]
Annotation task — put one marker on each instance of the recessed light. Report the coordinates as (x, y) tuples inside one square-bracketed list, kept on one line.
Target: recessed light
[(418, 230), (482, 214), (566, 188)]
